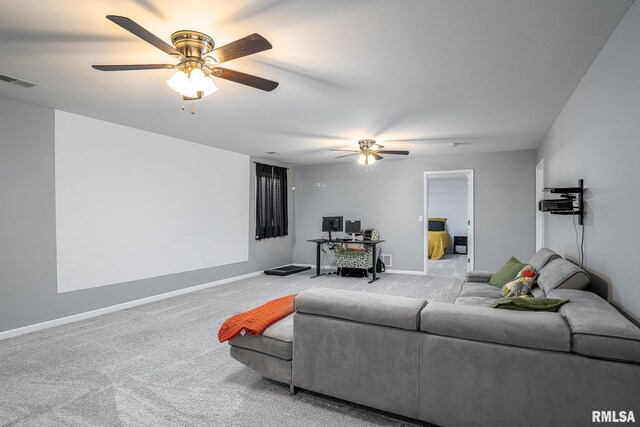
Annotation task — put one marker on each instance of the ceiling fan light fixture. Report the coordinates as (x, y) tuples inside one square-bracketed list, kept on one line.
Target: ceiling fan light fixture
[(179, 82), (374, 147), (370, 159), (193, 85), (196, 77), (362, 159), (208, 86)]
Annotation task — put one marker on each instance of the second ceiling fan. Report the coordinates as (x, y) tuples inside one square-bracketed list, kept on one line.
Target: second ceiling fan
[(198, 60), (370, 151)]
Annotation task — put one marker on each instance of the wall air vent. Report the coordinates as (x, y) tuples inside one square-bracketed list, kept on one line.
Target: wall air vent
[(387, 259), (16, 81)]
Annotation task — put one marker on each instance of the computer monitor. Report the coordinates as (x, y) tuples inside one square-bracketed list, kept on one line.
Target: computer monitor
[(331, 224), (352, 227)]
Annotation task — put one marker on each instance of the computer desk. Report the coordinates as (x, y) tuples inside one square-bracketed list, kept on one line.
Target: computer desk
[(368, 242)]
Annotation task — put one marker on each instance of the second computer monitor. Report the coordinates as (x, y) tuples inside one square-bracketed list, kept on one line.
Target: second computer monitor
[(352, 227)]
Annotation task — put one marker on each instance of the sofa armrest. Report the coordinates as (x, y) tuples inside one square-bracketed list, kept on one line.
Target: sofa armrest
[(539, 330), (385, 310), (479, 276)]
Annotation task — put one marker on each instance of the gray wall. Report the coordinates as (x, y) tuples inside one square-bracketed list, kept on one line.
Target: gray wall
[(448, 198), (597, 137), (28, 289), (390, 198)]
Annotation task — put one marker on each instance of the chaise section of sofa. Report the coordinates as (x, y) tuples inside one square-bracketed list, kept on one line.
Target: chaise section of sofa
[(359, 347), (269, 354)]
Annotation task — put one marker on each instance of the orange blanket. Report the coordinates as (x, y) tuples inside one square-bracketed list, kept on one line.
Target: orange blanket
[(256, 320)]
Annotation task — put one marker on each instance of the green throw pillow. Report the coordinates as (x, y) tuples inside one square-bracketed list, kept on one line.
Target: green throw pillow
[(529, 304), (507, 273)]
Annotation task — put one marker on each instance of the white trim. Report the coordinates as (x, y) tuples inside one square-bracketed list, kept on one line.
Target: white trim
[(110, 309), (419, 273), (470, 173), (539, 215)]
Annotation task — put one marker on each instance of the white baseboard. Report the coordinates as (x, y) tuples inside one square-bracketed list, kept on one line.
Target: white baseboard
[(110, 309), (419, 273), (100, 311)]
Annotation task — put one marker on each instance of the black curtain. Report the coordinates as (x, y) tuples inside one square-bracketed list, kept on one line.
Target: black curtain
[(271, 202)]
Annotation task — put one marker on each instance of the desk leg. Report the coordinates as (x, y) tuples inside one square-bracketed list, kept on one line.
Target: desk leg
[(317, 260), (373, 256)]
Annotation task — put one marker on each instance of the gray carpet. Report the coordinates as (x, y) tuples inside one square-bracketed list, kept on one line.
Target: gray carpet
[(161, 364), (449, 265)]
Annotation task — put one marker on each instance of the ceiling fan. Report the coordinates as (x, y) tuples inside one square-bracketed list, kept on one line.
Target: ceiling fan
[(370, 151), (198, 60)]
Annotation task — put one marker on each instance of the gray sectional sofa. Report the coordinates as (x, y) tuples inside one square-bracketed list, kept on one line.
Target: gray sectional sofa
[(460, 363)]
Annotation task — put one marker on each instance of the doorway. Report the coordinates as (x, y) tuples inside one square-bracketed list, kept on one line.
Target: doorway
[(449, 223), (539, 196)]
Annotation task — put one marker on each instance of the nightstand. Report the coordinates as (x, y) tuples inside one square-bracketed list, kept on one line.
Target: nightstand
[(460, 245)]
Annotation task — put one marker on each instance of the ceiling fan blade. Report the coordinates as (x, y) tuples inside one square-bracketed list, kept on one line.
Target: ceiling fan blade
[(346, 155), (144, 34), (404, 153), (375, 156), (132, 67), (249, 45), (245, 79), (353, 151)]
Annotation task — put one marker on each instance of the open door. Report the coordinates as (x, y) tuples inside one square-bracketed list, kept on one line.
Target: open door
[(449, 250)]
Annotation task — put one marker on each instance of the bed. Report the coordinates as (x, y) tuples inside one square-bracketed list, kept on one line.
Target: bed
[(437, 237)]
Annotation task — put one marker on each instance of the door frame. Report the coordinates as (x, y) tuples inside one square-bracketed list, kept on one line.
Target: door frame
[(470, 214), (539, 196)]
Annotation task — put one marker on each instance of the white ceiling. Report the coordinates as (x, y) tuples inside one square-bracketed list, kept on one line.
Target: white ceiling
[(489, 74)]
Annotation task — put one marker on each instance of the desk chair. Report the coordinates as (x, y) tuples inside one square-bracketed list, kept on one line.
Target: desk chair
[(361, 259)]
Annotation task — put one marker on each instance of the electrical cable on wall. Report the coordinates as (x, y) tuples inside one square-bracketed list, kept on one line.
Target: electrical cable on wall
[(579, 242)]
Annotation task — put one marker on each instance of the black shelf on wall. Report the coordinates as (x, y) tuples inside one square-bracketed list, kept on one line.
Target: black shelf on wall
[(571, 201)]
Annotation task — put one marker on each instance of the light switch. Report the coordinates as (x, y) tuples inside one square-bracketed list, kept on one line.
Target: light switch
[(420, 218)]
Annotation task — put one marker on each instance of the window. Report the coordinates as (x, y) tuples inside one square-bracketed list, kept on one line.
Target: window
[(271, 202)]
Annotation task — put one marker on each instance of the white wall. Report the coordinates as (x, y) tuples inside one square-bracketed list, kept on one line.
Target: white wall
[(28, 285), (448, 198), (391, 198), (132, 204), (597, 137)]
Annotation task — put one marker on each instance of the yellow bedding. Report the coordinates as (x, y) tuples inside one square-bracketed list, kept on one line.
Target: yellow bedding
[(438, 242)]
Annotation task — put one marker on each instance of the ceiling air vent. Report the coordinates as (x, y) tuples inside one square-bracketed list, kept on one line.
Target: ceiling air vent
[(16, 81)]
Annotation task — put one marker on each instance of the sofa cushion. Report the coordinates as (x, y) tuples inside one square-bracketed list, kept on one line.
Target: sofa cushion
[(537, 292), (275, 341), (377, 309), (484, 290), (475, 301), (560, 273), (544, 331), (543, 257), (597, 328)]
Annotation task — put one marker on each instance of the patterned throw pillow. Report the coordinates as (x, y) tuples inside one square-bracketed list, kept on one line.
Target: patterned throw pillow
[(522, 284)]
